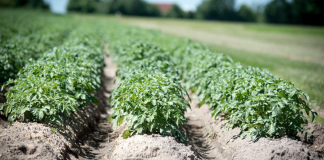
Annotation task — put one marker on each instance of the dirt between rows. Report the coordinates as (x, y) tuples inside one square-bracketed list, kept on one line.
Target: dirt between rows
[(88, 135)]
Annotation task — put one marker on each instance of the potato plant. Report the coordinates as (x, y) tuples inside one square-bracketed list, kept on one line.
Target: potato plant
[(129, 51), (163, 66), (59, 83), (22, 41), (150, 102), (149, 98), (260, 104)]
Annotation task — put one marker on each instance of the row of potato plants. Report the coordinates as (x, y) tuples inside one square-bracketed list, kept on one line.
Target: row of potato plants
[(59, 83), (149, 97), (22, 41), (254, 100)]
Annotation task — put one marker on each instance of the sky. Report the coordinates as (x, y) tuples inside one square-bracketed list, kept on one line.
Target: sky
[(59, 6)]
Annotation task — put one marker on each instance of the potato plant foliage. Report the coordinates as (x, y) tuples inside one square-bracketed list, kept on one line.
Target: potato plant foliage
[(57, 84), (149, 97), (150, 102), (18, 46), (261, 104)]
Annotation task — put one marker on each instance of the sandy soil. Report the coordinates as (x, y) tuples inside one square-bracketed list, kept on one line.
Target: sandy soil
[(315, 142), (152, 147), (200, 133), (40, 141), (96, 143)]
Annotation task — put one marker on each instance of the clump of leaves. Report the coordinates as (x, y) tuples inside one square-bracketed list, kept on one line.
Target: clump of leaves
[(150, 103), (197, 67), (130, 51), (152, 64), (56, 85), (18, 47), (260, 104)]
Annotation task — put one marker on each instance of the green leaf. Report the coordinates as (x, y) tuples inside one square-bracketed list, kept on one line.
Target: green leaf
[(126, 134), (109, 118)]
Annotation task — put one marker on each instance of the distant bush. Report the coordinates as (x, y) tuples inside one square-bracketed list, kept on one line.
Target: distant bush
[(86, 6), (133, 7), (24, 3), (310, 12), (175, 12)]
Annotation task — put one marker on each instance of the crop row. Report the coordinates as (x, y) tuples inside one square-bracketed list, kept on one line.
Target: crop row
[(59, 83), (260, 104), (149, 97), (22, 41)]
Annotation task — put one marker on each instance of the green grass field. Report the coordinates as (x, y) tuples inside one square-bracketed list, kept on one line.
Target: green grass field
[(294, 53)]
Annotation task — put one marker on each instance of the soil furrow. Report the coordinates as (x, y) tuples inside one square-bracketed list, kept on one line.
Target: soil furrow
[(94, 145), (200, 135)]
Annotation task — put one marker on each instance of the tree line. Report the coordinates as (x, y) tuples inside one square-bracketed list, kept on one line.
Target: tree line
[(305, 12), (38, 4)]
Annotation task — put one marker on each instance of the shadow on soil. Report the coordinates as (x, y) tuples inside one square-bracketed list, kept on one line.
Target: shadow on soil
[(197, 139), (92, 145)]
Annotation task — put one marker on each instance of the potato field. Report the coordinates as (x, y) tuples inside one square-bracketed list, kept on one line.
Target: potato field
[(86, 87)]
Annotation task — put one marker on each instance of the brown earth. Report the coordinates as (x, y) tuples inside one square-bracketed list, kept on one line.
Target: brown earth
[(152, 147), (315, 141)]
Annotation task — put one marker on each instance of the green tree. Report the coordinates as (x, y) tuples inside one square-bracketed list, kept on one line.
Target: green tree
[(101, 7), (175, 12), (309, 12), (247, 14), (278, 11), (86, 6), (133, 7), (190, 14), (152, 10), (40, 4), (217, 10)]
